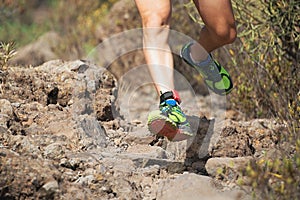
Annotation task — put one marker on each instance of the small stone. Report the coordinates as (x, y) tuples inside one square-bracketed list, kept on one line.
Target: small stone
[(54, 150), (86, 180), (136, 121), (51, 186), (230, 166)]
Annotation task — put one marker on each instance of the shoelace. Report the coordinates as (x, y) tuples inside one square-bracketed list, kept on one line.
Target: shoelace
[(167, 109)]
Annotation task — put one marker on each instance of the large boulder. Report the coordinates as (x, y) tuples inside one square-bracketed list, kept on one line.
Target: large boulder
[(39, 51), (59, 98), (192, 186), (247, 138), (47, 113)]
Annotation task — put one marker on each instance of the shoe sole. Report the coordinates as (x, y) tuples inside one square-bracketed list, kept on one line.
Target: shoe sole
[(163, 126)]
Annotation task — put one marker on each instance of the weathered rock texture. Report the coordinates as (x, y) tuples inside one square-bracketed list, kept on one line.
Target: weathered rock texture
[(61, 137), (38, 52)]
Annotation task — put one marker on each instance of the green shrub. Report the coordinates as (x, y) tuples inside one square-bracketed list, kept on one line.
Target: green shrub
[(266, 56), (276, 178), (7, 51), (267, 79)]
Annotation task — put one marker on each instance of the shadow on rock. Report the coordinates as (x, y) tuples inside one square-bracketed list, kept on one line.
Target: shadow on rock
[(198, 145), (194, 152)]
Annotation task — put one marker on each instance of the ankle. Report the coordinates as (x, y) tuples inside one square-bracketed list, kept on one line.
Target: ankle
[(197, 53), (173, 94)]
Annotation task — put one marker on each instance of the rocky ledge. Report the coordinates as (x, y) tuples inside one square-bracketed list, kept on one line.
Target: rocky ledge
[(62, 137)]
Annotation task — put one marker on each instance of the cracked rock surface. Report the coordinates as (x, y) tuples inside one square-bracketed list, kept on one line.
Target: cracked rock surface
[(65, 134)]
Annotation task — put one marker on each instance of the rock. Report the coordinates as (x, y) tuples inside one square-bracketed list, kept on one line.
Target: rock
[(196, 148), (23, 176), (50, 187), (123, 189), (90, 127), (230, 167), (140, 136), (79, 161), (247, 138), (60, 98), (177, 151), (54, 151), (233, 144), (85, 180), (6, 112), (194, 186), (76, 192), (117, 164), (59, 82), (147, 151), (38, 52), (5, 107)]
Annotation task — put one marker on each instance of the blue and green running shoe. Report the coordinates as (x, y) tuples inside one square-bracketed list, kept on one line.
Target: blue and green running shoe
[(169, 120), (215, 76)]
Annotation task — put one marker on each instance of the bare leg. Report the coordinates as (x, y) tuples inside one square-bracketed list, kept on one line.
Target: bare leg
[(219, 26), (155, 19)]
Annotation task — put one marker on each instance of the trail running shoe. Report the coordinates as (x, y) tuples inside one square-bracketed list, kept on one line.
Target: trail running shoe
[(169, 120), (215, 76)]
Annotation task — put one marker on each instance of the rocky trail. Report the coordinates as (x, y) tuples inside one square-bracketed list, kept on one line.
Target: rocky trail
[(70, 130)]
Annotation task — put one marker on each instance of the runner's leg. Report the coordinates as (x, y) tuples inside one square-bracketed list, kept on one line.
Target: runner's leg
[(219, 28), (155, 18)]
